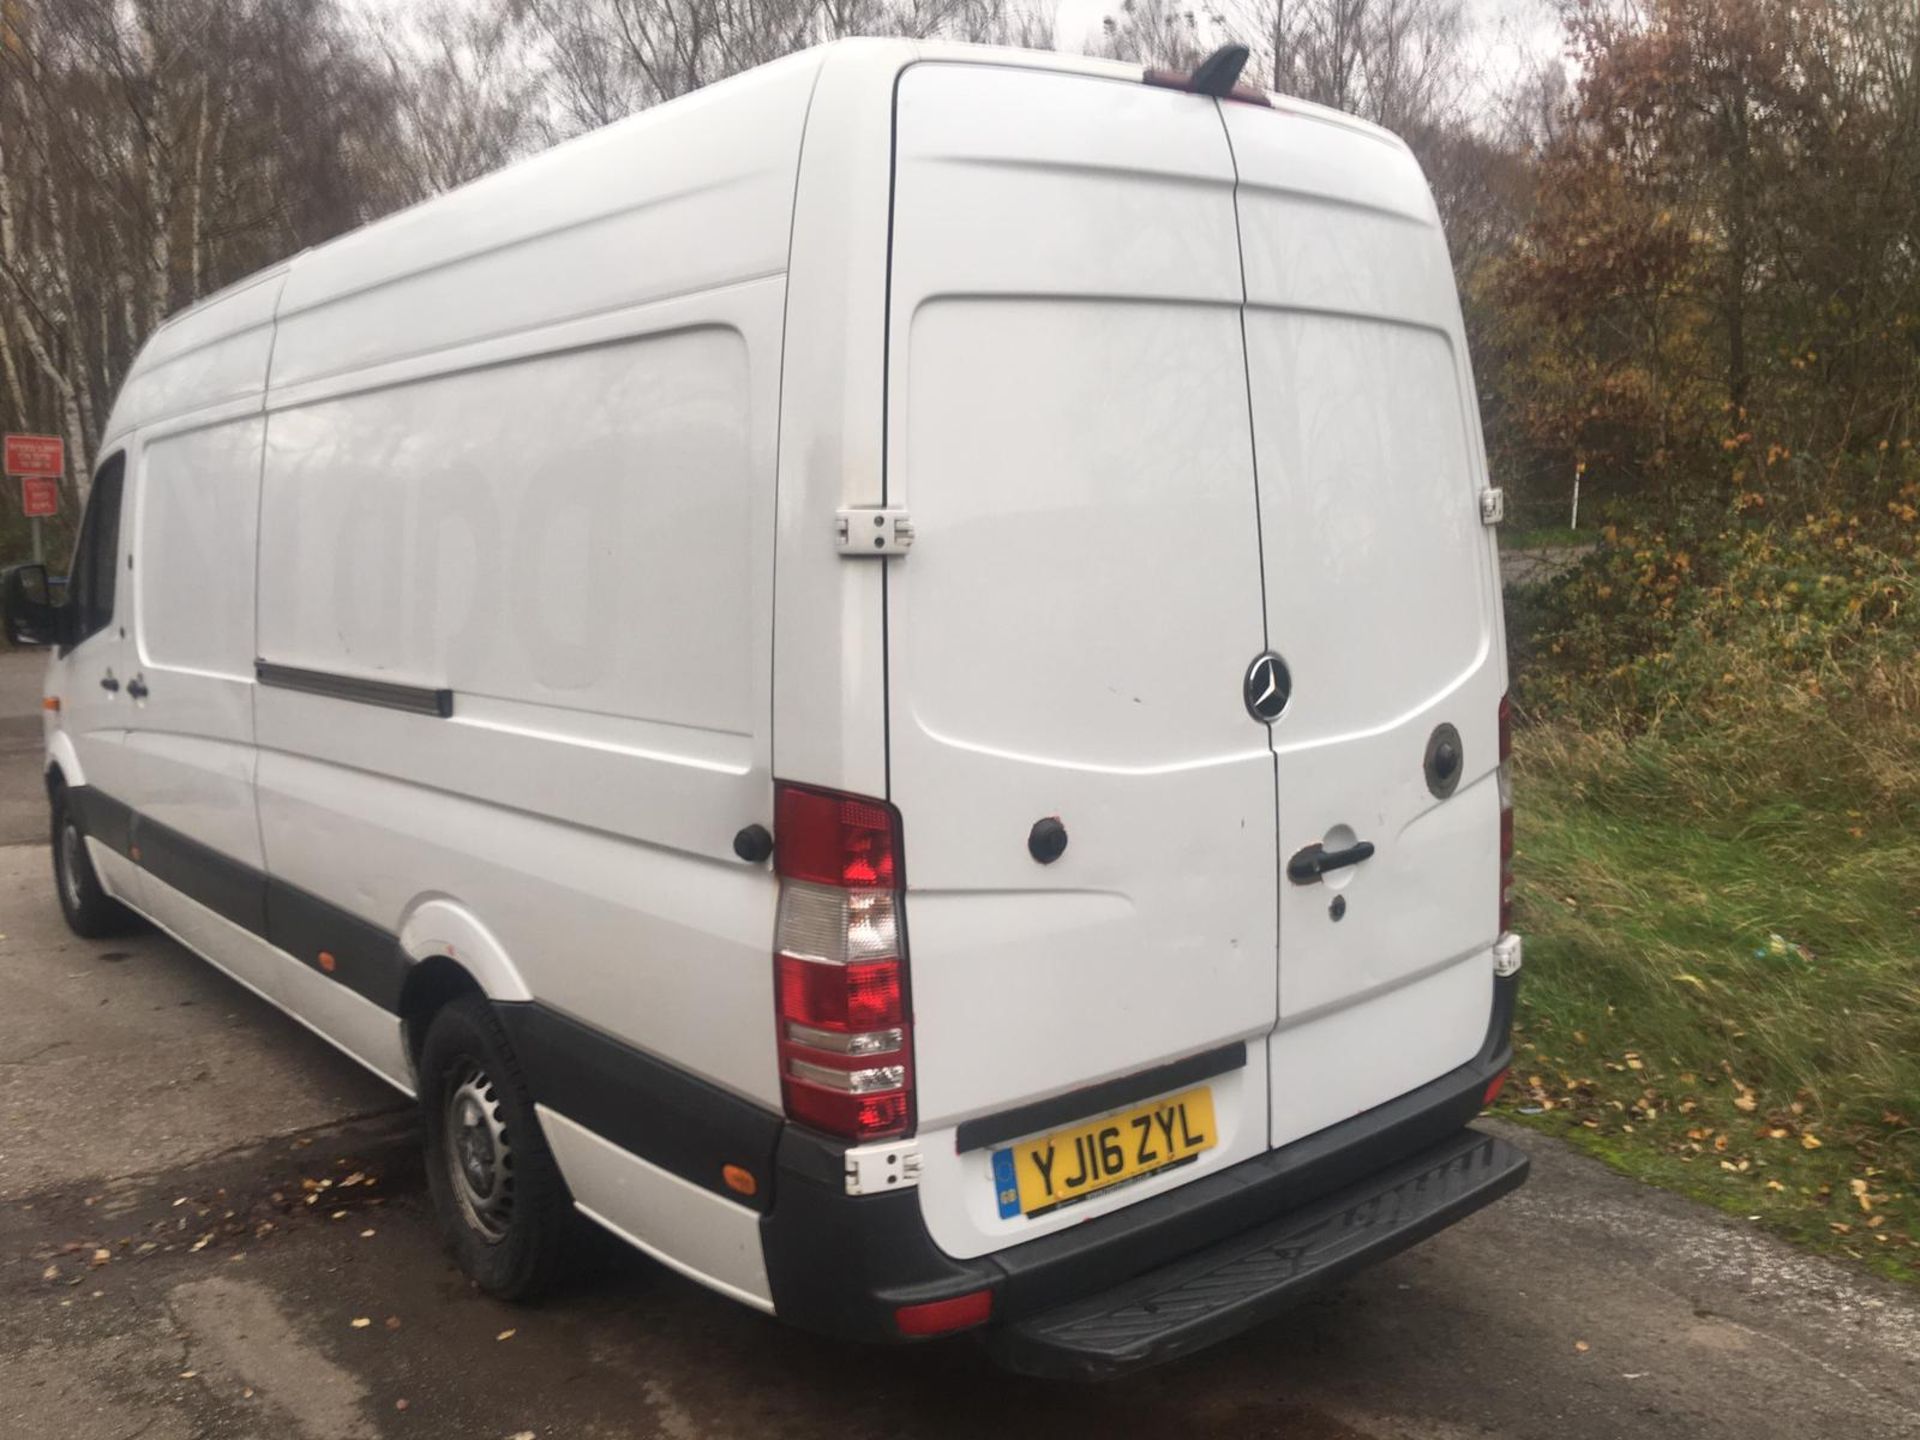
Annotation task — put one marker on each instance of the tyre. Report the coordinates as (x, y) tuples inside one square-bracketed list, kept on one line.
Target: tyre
[(90, 912), (502, 1206)]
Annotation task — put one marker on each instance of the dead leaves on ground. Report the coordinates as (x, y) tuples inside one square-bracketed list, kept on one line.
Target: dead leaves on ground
[(1724, 1122)]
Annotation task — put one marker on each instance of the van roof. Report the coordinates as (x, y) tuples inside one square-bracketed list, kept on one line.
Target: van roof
[(720, 135)]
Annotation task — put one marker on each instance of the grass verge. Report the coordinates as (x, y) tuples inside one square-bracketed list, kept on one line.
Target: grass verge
[(1546, 537), (1722, 990)]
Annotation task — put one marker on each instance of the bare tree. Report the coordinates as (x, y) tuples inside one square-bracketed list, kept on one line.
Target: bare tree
[(1160, 33), (465, 101)]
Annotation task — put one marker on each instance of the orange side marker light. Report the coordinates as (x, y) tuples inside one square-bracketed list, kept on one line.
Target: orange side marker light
[(50, 702), (327, 962), (739, 1181)]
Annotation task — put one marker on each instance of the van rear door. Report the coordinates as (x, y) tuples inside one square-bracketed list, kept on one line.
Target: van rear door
[(1068, 425), (1382, 599)]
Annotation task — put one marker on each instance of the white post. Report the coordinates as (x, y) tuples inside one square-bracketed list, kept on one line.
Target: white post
[(1574, 524)]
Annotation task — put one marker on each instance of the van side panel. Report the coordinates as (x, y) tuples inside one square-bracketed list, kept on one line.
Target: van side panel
[(595, 604), (676, 200), (213, 356)]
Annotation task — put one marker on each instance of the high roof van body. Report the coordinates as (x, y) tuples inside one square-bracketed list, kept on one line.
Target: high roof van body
[(887, 678)]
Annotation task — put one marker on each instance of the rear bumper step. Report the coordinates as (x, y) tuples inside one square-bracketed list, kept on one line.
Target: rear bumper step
[(1222, 1290)]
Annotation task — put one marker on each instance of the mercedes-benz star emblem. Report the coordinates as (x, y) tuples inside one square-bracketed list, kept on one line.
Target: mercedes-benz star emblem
[(1269, 687)]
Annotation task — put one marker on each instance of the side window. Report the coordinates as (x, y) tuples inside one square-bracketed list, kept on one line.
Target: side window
[(96, 556)]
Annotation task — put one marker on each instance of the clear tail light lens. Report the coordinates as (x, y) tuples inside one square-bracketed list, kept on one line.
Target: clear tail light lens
[(845, 1034)]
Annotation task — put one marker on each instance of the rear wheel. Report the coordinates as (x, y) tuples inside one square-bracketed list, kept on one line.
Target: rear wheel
[(89, 911), (501, 1203)]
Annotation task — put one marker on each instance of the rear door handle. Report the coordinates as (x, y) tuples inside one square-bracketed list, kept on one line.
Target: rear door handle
[(137, 688), (107, 682), (1316, 860)]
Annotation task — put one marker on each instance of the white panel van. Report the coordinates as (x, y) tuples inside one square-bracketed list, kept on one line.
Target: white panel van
[(887, 679)]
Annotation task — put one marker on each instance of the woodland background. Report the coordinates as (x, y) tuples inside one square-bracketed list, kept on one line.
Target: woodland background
[(1687, 243)]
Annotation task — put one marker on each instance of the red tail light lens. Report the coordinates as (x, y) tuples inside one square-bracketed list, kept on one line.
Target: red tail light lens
[(841, 998), (840, 969), (832, 839)]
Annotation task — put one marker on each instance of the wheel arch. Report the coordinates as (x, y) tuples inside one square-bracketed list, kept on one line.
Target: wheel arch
[(62, 764), (452, 954)]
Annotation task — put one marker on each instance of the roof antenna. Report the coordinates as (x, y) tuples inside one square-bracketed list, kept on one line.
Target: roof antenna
[(1219, 72)]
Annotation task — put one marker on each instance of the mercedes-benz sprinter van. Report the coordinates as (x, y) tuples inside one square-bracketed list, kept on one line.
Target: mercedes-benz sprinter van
[(887, 679)]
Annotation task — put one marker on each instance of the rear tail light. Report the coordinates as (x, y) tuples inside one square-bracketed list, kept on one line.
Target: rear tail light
[(1506, 813), (840, 965)]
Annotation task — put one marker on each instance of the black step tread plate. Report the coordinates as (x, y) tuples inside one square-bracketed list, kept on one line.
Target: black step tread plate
[(1249, 1277)]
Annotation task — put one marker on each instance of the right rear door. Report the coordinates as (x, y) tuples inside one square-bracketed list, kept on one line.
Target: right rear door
[(1382, 600)]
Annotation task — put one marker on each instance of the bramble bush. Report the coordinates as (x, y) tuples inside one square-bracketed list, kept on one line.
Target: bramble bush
[(1743, 661)]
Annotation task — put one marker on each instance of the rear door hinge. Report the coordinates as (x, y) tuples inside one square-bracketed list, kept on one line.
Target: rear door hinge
[(1493, 505), (879, 532)]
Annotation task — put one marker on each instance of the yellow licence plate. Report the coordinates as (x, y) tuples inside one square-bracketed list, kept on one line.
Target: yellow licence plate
[(1035, 1176)]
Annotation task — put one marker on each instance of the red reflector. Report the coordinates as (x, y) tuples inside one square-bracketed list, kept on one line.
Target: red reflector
[(1494, 1087), (862, 996), (1506, 728), (835, 839), (943, 1317)]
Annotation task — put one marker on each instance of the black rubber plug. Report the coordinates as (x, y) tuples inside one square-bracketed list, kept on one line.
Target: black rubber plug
[(1047, 841)]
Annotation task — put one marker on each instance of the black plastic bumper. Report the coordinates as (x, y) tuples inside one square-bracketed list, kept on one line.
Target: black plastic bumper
[(841, 1265)]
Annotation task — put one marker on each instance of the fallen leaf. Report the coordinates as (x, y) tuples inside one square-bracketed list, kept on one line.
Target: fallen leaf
[(506, 1334), (399, 1404), (188, 1374), (361, 1322), (1581, 1347), (1745, 1101), (52, 1272), (366, 1234), (1810, 1142), (393, 1322), (100, 1257)]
